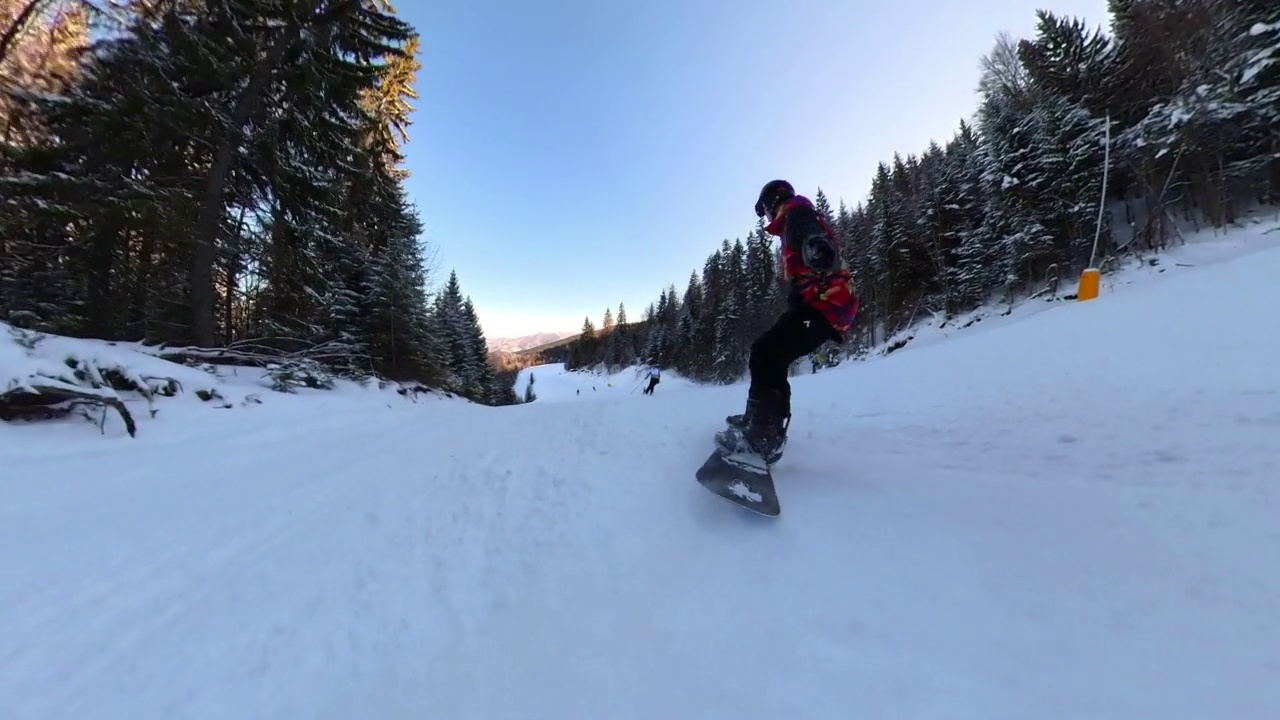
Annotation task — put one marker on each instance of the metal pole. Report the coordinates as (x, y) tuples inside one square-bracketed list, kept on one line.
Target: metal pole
[(1102, 203)]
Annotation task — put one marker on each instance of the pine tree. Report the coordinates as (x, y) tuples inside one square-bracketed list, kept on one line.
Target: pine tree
[(1068, 60), (450, 319), (972, 274), (619, 352), (587, 348), (404, 342), (759, 284), (693, 341), (823, 206), (482, 381)]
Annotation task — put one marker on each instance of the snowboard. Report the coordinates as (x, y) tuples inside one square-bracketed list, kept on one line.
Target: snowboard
[(742, 480)]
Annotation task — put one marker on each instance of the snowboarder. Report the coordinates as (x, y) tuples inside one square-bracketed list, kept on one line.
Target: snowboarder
[(821, 306), (655, 376)]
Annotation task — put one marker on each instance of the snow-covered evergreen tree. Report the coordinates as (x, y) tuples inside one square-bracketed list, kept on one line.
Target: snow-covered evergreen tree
[(481, 383)]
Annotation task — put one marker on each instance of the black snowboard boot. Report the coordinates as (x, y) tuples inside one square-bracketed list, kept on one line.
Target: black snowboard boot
[(743, 421), (761, 430)]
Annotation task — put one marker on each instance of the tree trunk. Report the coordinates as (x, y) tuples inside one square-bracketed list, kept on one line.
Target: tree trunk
[(11, 33), (202, 290), (235, 260)]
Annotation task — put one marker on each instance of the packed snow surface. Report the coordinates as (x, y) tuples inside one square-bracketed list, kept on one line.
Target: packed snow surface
[(1069, 515), (552, 383)]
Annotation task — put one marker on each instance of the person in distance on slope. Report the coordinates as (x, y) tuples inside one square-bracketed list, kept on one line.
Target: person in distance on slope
[(655, 376), (821, 306)]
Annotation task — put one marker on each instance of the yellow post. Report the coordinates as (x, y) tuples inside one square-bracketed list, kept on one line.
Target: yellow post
[(1090, 279)]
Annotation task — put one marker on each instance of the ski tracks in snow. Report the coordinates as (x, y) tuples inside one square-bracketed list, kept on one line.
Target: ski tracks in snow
[(197, 585), (263, 577)]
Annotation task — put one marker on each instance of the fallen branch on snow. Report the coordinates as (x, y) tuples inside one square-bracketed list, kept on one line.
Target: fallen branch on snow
[(264, 353), (48, 398)]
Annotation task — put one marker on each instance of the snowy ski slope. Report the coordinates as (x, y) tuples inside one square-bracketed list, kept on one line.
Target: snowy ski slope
[(552, 383), (1068, 516)]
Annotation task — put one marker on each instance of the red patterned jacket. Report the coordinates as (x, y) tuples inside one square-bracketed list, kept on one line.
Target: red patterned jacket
[(830, 293)]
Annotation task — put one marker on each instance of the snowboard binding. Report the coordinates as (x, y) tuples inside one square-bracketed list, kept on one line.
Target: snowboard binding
[(748, 444)]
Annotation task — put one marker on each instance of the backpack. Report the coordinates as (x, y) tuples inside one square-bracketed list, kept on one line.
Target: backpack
[(817, 250)]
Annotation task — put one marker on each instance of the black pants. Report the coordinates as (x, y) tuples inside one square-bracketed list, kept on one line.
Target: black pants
[(796, 333), (649, 390)]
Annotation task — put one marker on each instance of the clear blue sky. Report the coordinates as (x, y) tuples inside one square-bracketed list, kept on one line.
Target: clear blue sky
[(571, 154)]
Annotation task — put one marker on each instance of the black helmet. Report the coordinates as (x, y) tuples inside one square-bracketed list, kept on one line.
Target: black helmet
[(772, 195)]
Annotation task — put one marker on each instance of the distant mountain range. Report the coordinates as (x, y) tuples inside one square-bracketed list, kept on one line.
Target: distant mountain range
[(525, 342)]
